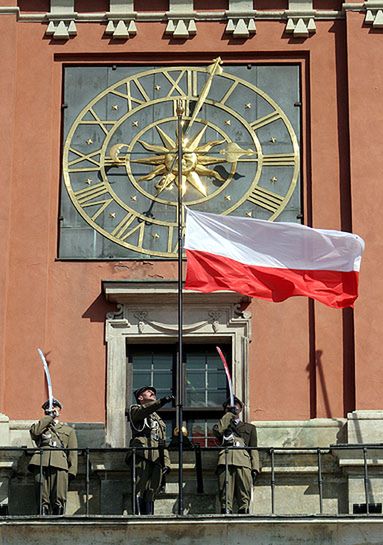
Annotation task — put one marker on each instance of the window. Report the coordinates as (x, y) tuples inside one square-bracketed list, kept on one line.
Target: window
[(205, 386)]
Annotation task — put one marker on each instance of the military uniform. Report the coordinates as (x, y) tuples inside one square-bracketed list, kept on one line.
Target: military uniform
[(57, 465), (241, 464), (148, 430)]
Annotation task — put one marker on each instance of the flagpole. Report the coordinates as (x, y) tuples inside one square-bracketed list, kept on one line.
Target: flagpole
[(180, 381)]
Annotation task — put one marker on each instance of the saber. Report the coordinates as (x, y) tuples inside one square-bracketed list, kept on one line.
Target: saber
[(226, 367), (48, 377)]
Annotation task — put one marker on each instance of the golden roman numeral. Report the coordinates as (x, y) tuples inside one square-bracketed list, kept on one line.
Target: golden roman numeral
[(265, 120), (229, 92), (192, 83), (171, 230), (84, 157), (122, 231), (103, 205), (265, 199), (279, 160), (174, 83), (98, 121), (128, 95), (83, 196)]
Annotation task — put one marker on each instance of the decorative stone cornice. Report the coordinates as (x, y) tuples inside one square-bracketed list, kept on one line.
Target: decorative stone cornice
[(121, 20), (240, 26), (241, 21), (61, 20), (61, 29), (300, 25), (181, 26), (374, 13), (300, 18), (182, 20), (120, 28)]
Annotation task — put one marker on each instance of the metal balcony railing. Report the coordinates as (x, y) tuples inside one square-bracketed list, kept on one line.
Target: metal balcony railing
[(363, 458)]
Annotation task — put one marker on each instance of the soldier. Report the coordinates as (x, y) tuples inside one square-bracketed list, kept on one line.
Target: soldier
[(243, 466), (148, 430), (49, 432)]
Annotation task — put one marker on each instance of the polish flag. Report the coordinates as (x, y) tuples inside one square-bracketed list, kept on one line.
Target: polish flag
[(271, 261)]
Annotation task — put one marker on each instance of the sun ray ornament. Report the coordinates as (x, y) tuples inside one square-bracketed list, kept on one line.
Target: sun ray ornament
[(194, 161)]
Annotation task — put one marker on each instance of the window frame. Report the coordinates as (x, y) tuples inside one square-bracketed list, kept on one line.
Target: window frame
[(147, 312)]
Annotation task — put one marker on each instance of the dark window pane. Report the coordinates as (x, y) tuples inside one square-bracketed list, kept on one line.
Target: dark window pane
[(195, 399), (195, 361), (195, 379), (216, 380), (215, 399), (163, 361), (142, 361), (162, 381), (142, 378)]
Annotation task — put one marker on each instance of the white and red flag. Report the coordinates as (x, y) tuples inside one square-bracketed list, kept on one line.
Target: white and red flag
[(271, 260)]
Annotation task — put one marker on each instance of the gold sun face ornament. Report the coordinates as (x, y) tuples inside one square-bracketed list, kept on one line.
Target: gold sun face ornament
[(132, 162), (165, 162)]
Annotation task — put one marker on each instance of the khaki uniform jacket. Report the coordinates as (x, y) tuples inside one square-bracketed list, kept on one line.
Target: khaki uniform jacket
[(244, 435), (149, 430), (45, 434)]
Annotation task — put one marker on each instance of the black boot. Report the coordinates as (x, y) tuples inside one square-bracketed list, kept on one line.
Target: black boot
[(45, 510), (150, 507), (243, 511), (58, 510), (142, 508)]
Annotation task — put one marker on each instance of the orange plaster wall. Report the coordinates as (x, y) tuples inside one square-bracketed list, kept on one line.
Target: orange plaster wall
[(57, 305), (7, 93), (365, 81)]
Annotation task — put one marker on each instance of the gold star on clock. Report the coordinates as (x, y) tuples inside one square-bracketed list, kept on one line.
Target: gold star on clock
[(157, 87), (227, 122), (89, 141), (134, 123), (115, 107), (88, 181), (248, 106), (228, 197), (133, 197), (273, 140), (156, 235), (273, 180), (112, 215), (249, 214)]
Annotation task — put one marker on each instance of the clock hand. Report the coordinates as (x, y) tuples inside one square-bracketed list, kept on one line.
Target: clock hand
[(213, 69)]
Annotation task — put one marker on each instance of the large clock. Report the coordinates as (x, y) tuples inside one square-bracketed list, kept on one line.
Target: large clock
[(120, 168)]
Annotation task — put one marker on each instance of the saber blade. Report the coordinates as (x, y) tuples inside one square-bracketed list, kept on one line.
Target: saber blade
[(48, 377), (227, 371)]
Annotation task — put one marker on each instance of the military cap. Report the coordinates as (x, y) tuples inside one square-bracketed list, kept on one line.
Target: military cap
[(55, 403), (227, 403), (141, 390)]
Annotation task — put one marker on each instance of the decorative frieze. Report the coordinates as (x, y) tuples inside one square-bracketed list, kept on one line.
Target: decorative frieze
[(121, 20), (374, 13), (300, 18), (61, 25), (241, 21), (300, 27), (181, 20)]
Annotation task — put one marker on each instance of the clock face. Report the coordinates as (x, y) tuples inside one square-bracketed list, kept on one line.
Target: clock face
[(120, 157)]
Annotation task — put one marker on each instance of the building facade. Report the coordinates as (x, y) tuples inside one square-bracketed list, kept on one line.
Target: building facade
[(88, 219)]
